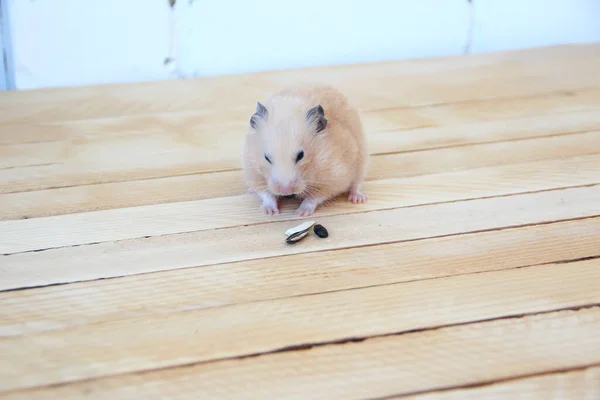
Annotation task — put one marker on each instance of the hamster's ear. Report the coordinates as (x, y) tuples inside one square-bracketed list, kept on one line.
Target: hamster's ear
[(260, 114), (316, 117)]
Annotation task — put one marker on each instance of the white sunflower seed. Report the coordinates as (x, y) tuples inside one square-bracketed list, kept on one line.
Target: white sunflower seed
[(305, 226), (294, 237)]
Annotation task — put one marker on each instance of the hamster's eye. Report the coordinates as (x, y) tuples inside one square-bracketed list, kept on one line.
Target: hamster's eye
[(300, 156), (268, 159)]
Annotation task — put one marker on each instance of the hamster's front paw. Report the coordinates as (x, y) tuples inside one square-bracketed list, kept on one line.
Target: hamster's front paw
[(307, 208), (304, 212), (269, 204), (269, 209)]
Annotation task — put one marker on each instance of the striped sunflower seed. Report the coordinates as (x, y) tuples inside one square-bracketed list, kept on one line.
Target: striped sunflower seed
[(305, 226), (298, 232), (294, 237)]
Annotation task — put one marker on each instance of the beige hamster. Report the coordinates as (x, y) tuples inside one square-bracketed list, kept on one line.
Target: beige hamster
[(306, 142)]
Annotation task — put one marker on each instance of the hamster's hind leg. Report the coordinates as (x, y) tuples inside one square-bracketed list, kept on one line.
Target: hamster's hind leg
[(355, 195)]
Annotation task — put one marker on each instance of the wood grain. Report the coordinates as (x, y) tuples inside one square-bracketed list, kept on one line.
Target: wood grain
[(402, 364), (160, 156), (195, 336), (370, 86), (201, 128), (134, 265), (396, 141), (579, 384), (218, 213), (106, 196), (540, 107), (199, 186), (27, 133), (187, 125), (64, 306), (167, 252)]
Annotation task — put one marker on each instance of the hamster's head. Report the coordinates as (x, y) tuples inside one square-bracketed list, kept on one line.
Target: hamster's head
[(287, 146)]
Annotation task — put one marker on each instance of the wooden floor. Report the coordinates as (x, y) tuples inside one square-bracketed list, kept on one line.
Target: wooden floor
[(135, 266)]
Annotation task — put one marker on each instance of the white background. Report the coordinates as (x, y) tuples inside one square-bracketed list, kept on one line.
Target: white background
[(78, 42)]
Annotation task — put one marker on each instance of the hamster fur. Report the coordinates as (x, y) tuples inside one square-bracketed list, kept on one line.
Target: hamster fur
[(307, 142)]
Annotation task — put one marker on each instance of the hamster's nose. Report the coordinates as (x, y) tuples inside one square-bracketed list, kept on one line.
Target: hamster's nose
[(286, 190)]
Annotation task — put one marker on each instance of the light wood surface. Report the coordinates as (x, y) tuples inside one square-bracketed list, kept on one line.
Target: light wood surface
[(134, 264), (574, 384)]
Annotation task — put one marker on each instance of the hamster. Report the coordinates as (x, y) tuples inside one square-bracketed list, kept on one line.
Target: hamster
[(305, 141)]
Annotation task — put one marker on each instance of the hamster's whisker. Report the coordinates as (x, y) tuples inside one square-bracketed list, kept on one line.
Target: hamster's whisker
[(314, 192)]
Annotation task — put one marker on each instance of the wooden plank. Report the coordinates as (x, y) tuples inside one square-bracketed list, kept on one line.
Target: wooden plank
[(64, 175), (33, 133), (70, 264), (385, 142), (240, 330), (106, 196), (24, 155), (466, 113), (129, 223), (288, 330), (578, 384), (196, 126), (122, 158), (59, 307), (400, 364), (201, 186), (483, 155), (96, 141), (185, 134), (370, 86)]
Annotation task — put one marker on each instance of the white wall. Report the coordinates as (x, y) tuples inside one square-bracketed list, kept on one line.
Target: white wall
[(273, 34), (6, 74), (3, 67), (508, 24), (77, 42)]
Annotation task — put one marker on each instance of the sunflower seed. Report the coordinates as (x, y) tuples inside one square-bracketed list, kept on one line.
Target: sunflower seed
[(305, 226), (321, 231), (294, 237)]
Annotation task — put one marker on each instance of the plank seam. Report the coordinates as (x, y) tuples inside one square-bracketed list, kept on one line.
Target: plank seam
[(575, 260), (468, 199), (311, 345), (122, 181), (563, 92), (374, 110), (388, 284), (99, 182), (418, 150), (319, 251), (486, 383), (481, 143), (124, 204), (28, 166), (40, 141), (295, 255), (397, 283), (452, 125), (559, 93)]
